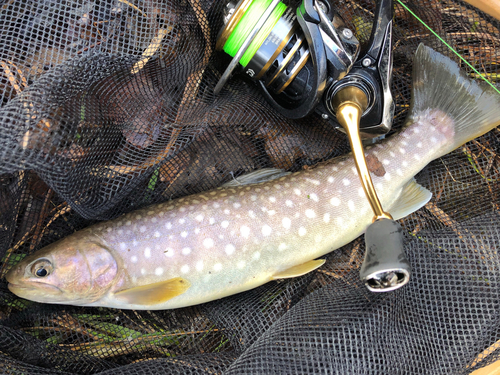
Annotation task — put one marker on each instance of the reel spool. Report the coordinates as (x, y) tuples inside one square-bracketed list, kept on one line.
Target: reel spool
[(290, 54), (307, 61)]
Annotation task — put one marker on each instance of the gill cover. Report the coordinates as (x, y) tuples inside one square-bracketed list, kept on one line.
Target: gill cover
[(73, 270)]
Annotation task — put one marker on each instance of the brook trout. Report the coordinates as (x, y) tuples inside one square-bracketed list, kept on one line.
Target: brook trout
[(218, 243)]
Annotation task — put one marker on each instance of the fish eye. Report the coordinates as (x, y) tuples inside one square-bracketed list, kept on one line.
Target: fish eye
[(41, 268)]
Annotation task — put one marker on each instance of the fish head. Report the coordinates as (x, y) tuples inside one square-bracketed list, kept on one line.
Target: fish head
[(70, 271)]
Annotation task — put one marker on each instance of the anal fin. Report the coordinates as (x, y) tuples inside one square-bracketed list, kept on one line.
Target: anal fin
[(412, 197), (156, 293), (300, 270)]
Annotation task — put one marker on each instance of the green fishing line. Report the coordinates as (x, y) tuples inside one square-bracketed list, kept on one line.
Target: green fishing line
[(447, 45), (245, 26)]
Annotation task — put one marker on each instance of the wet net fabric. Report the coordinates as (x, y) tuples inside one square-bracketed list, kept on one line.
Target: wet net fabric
[(108, 106)]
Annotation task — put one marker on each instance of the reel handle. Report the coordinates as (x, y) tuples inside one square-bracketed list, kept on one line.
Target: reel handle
[(385, 267)]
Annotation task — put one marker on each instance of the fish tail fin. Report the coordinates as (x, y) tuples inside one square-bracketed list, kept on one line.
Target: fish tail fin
[(442, 90)]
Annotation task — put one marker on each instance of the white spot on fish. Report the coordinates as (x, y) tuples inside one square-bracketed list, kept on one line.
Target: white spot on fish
[(416, 130), (434, 140), (335, 201), (182, 221), (184, 234), (253, 198), (302, 231), (236, 205), (272, 199), (109, 230), (335, 169), (186, 251), (271, 212), (120, 232), (289, 203), (199, 266), (361, 192), (182, 209), (346, 182), (185, 268), (143, 271), (168, 225), (310, 214), (266, 230), (217, 267), (135, 243), (419, 144), (416, 156), (404, 163), (147, 252), (326, 218), (208, 243), (142, 229), (123, 246), (386, 162), (314, 182), (128, 223), (211, 221), (314, 197), (241, 264), (286, 223), (297, 191), (256, 255), (229, 249), (252, 214), (224, 224), (351, 206), (282, 246), (330, 179), (216, 205), (387, 176), (169, 252), (402, 150), (157, 234), (245, 231), (159, 271), (399, 172), (392, 154), (227, 212), (199, 217), (133, 259)]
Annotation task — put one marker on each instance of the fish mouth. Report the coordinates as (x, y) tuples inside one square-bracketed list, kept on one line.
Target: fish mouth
[(31, 291)]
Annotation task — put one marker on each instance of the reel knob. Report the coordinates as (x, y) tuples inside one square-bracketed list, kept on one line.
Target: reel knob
[(385, 266)]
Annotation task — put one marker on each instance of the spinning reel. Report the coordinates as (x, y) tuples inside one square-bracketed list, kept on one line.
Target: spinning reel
[(307, 61)]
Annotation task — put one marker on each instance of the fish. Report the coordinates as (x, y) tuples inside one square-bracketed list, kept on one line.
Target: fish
[(214, 244)]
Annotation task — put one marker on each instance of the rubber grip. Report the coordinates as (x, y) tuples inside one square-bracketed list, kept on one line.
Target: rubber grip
[(385, 266)]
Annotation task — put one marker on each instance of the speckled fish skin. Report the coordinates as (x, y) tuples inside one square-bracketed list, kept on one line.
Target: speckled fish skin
[(229, 240)]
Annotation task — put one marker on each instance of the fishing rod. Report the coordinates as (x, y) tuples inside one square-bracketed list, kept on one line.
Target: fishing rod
[(306, 61)]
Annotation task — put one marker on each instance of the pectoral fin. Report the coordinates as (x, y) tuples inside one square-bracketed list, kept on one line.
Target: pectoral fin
[(154, 294), (300, 270)]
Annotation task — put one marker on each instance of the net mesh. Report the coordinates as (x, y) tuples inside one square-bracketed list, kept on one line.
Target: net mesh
[(108, 106)]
